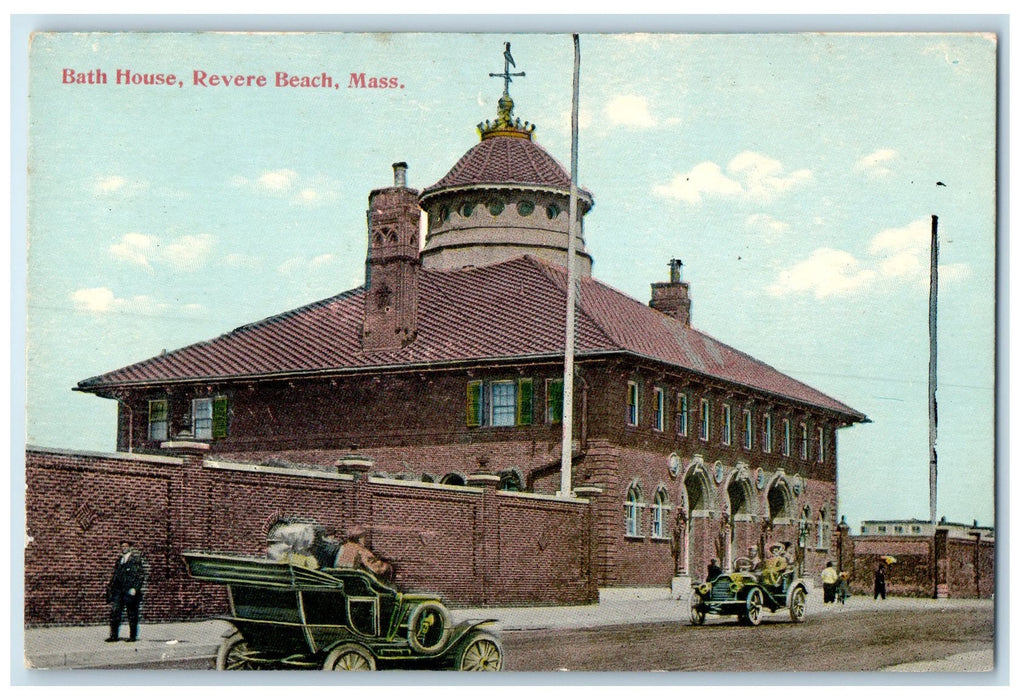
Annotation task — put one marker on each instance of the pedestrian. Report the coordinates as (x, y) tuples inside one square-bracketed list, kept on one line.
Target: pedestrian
[(843, 587), (124, 592), (829, 579), (713, 571), (880, 581)]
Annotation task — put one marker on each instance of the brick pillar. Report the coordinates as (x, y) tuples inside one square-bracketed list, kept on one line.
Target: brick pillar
[(940, 563), (190, 522), (487, 591), (593, 493), (602, 464)]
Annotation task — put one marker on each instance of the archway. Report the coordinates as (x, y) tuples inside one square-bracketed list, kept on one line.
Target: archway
[(739, 495), (697, 490)]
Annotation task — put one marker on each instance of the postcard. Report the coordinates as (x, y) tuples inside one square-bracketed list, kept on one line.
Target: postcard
[(511, 352)]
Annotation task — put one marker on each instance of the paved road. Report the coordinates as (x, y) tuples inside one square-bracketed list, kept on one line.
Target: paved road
[(855, 641)]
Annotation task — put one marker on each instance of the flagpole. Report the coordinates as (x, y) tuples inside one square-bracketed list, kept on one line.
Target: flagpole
[(566, 456), (933, 292)]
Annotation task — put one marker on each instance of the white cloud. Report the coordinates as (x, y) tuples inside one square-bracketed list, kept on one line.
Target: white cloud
[(703, 178), (107, 185), (629, 110), (135, 248), (102, 300), (912, 238), (301, 265), (277, 180), (766, 225), (288, 183), (749, 176), (764, 177), (190, 251), (826, 272), (876, 164)]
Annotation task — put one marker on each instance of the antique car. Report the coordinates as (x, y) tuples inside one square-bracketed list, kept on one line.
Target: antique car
[(747, 594), (290, 616)]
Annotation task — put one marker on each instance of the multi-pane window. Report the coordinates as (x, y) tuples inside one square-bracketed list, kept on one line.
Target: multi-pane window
[(821, 444), (632, 403), (727, 425), (504, 403), (660, 513), (553, 401), (786, 437), (159, 413), (766, 439), (803, 442), (499, 403), (632, 512), (659, 409), (748, 430), (703, 426), (202, 419), (682, 411)]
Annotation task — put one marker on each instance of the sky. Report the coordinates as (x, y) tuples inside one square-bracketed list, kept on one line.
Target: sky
[(794, 174)]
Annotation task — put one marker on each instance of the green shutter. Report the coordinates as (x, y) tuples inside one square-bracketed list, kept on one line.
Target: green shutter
[(474, 404), (219, 417), (524, 401), (554, 401), (157, 410)]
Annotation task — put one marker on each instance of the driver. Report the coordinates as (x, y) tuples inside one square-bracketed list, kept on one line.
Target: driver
[(775, 565), (355, 554)]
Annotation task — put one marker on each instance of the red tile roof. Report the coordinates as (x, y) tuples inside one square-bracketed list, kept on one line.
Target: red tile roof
[(505, 161), (507, 310)]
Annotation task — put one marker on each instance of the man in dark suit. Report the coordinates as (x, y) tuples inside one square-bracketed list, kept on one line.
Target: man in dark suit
[(124, 592)]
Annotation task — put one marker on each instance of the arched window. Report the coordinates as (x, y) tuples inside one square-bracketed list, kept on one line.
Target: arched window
[(632, 511), (510, 481), (660, 513), (452, 479), (824, 531)]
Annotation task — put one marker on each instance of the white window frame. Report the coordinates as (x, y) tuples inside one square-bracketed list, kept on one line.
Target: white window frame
[(803, 442), (787, 437), (493, 391), (659, 410), (766, 443), (153, 432), (683, 407), (202, 418), (820, 458), (660, 514), (633, 406), (705, 424), (727, 425), (632, 512), (748, 430)]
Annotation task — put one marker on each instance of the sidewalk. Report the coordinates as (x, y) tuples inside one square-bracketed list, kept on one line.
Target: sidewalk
[(83, 647)]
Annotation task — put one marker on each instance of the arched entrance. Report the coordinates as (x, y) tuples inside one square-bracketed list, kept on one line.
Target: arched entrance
[(698, 494), (739, 494)]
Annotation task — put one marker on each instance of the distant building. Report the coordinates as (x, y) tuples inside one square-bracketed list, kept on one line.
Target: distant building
[(947, 560)]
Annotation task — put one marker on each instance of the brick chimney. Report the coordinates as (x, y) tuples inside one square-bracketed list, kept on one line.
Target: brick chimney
[(673, 298), (392, 265)]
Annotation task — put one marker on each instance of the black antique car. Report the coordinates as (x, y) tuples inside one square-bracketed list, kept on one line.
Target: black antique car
[(291, 616), (747, 594)]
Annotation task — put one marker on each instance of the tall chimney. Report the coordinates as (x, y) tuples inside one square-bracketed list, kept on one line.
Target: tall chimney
[(392, 265), (673, 298)]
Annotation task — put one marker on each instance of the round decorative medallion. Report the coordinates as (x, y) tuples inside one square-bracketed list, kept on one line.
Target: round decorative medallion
[(524, 208), (674, 464), (552, 211), (466, 208), (759, 478), (798, 486), (496, 207), (718, 473)]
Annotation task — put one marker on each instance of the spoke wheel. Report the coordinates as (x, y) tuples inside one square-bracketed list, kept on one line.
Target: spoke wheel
[(697, 611), (481, 653), (798, 605), (349, 657), (755, 603), (234, 655)]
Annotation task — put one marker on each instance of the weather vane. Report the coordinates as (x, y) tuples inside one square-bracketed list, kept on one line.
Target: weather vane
[(506, 75)]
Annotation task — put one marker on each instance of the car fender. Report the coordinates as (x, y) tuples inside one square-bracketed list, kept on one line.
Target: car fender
[(799, 583)]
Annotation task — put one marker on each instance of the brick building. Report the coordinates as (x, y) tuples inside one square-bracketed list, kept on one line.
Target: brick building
[(446, 365)]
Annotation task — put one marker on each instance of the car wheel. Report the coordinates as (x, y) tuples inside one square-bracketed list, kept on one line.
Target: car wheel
[(755, 603), (798, 605), (481, 652), (349, 657), (697, 611), (428, 628), (234, 654)]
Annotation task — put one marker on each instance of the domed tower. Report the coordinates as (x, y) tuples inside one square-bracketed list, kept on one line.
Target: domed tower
[(506, 197)]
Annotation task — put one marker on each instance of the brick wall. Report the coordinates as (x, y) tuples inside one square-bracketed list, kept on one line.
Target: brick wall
[(470, 545)]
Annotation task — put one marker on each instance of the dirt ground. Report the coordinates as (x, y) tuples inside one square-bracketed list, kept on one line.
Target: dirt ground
[(854, 641)]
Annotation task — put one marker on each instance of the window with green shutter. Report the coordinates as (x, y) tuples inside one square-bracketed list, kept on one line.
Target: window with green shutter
[(524, 401), (554, 401), (474, 403), (219, 417)]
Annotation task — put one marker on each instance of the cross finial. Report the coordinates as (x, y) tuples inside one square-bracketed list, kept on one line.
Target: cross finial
[(506, 75)]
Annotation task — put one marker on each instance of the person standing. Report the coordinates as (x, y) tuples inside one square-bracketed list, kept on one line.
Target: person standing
[(124, 592), (713, 571), (830, 577), (880, 581)]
